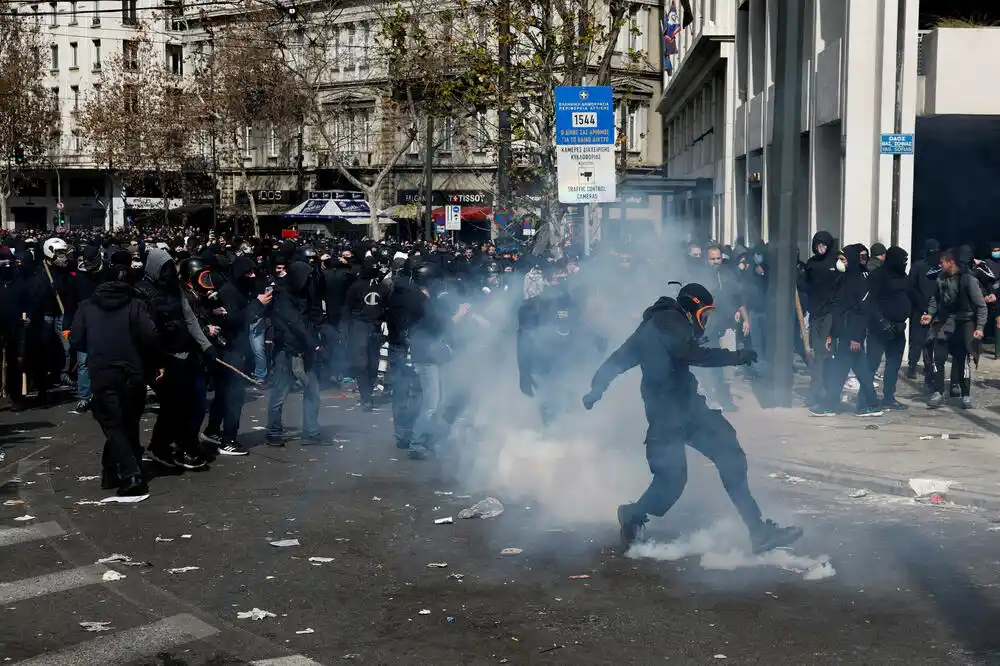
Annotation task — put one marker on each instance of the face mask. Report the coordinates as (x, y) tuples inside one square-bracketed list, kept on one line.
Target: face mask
[(841, 267), (60, 260), (995, 255)]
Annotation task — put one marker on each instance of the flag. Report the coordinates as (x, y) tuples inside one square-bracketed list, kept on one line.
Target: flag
[(670, 29)]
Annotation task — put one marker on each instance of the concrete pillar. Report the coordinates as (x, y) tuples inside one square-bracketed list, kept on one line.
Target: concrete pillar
[(727, 90), (910, 47), (115, 213)]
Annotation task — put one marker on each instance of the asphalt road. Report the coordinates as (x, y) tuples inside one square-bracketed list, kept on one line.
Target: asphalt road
[(914, 584)]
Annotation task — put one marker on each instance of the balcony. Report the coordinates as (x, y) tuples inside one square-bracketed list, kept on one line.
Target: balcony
[(957, 72)]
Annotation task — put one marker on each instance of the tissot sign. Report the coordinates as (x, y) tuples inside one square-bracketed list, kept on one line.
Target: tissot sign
[(447, 198)]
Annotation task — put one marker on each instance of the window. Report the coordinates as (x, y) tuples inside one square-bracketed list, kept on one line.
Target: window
[(349, 59), (247, 138), (77, 142), (446, 135), (72, 12), (75, 90), (74, 52), (53, 14), (55, 57), (482, 137), (272, 141), (366, 44), (55, 98), (129, 12), (365, 131), (130, 55), (97, 54), (175, 59)]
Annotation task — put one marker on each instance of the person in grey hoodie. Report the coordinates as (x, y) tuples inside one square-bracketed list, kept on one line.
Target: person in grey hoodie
[(183, 344)]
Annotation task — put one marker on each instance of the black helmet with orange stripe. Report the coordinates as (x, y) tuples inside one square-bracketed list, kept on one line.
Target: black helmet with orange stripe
[(698, 303)]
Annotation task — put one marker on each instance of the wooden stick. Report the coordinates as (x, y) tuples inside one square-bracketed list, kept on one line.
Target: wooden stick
[(24, 375), (802, 325), (45, 265), (246, 377)]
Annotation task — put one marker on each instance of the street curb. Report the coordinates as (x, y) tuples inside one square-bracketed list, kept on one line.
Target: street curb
[(888, 485)]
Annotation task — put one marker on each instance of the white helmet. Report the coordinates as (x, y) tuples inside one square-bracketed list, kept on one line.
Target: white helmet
[(54, 245)]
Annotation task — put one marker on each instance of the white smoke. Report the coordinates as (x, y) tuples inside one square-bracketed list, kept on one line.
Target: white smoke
[(719, 549)]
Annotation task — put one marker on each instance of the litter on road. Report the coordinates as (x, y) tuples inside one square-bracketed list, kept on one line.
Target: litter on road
[(856, 494), (24, 519), (580, 577), (111, 576), (89, 503), (96, 626), (437, 565), (927, 487), (185, 536), (114, 499), (456, 576), (444, 521), (424, 612), (88, 478), (254, 614), (179, 570), (511, 551), (443, 492), (306, 631), (317, 561), (13, 502), (285, 543), (160, 539), (490, 507)]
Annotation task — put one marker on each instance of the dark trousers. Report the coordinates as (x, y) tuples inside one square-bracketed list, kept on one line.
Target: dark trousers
[(956, 345), (117, 406), (710, 434), (286, 370), (364, 340), (10, 347), (178, 397), (892, 347), (230, 393), (820, 329), (843, 362), (405, 392), (919, 349)]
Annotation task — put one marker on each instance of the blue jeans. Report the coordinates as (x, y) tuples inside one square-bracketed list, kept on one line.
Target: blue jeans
[(55, 323), (286, 369), (257, 330), (427, 427), (83, 390)]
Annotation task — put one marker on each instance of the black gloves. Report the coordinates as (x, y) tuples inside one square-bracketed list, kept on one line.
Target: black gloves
[(747, 356), (210, 355)]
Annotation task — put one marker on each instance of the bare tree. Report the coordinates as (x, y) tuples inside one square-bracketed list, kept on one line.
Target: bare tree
[(143, 121), (29, 115)]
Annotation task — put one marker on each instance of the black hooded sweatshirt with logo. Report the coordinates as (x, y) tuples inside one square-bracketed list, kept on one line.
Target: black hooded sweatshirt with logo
[(664, 346), (892, 287), (822, 278)]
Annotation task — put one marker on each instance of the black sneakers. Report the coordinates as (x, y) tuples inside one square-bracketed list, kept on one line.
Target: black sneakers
[(230, 447), (211, 437), (133, 487), (629, 529), (189, 461), (161, 456), (770, 536)]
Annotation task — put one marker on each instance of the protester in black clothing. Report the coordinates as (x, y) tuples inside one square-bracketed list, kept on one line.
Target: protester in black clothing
[(895, 300), (115, 330), (731, 312), (297, 349), (923, 274), (363, 311), (854, 311), (878, 257), (991, 297), (13, 306), (956, 314), (174, 442), (665, 346), (404, 308), (822, 278), (240, 306), (340, 275)]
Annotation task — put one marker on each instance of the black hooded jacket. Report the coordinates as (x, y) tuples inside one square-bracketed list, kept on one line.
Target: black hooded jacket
[(367, 298), (922, 278), (242, 307), (293, 333), (854, 308), (115, 330), (822, 277), (892, 289), (338, 280), (13, 297), (664, 346)]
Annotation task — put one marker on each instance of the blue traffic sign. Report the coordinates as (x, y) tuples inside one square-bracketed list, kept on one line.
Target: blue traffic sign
[(896, 144), (585, 115)]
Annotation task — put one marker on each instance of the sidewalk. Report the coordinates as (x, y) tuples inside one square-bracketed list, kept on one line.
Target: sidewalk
[(852, 452)]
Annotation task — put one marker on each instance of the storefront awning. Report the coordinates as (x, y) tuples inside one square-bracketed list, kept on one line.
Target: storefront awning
[(471, 213), (332, 209)]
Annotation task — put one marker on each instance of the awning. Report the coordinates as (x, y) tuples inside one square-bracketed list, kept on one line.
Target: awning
[(471, 213), (353, 211)]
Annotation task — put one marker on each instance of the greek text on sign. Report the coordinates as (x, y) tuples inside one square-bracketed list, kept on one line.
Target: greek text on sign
[(585, 144), (896, 144)]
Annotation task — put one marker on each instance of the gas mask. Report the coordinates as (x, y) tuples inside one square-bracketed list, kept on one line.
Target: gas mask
[(61, 260)]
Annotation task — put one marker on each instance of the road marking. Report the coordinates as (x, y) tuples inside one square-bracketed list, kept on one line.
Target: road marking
[(125, 646), (294, 660), (9, 537), (70, 579)]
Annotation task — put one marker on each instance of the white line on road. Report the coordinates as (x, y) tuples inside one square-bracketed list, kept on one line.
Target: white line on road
[(70, 579), (125, 646), (9, 537), (294, 660)]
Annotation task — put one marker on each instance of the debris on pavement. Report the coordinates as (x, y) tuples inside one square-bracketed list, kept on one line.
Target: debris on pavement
[(871, 426), (179, 570), (927, 487), (859, 493), (424, 612), (351, 655), (944, 435), (88, 478), (437, 565), (110, 576), (317, 561), (285, 543), (306, 631), (511, 551), (376, 498), (254, 614), (456, 576), (89, 503), (443, 492), (785, 476), (490, 507), (13, 502), (579, 577), (24, 519), (930, 499), (160, 539), (185, 536), (444, 521), (96, 626), (124, 560), (115, 499), (719, 656), (551, 649)]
